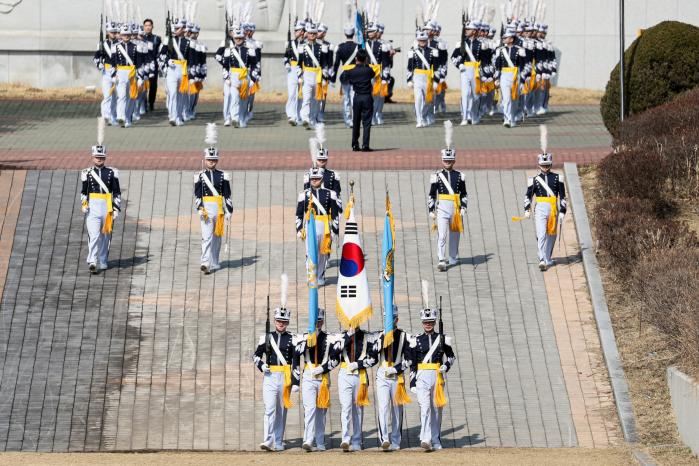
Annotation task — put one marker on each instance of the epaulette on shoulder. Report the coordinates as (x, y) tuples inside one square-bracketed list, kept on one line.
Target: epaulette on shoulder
[(115, 172), (530, 181), (372, 337), (197, 175), (448, 340), (433, 178), (83, 174), (262, 340), (227, 176)]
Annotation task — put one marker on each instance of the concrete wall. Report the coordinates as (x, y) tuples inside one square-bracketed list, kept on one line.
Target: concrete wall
[(48, 43), (684, 392)]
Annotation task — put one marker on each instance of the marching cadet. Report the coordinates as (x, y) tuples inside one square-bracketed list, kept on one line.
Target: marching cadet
[(331, 179), (431, 357), (199, 72), (390, 385), (212, 199), (434, 29), (291, 63), (322, 32), (101, 202), (510, 72), (344, 61), (103, 61), (238, 62), (281, 373), (139, 108), (127, 62), (314, 59), (356, 352), (378, 54), (423, 77), (447, 203), (549, 191), (256, 72), (326, 210), (178, 74), (315, 390), (547, 70), (468, 59)]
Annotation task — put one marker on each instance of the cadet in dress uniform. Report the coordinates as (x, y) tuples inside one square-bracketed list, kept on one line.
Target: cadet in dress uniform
[(549, 191), (101, 202), (344, 61), (212, 199), (177, 62), (423, 76), (431, 357), (127, 64), (103, 62), (379, 60), (315, 390), (327, 77), (291, 64), (447, 203), (199, 72), (276, 358), (469, 62), (510, 72), (256, 71), (238, 62), (314, 59), (331, 179), (356, 353), (390, 385), (326, 210), (434, 29), (547, 68)]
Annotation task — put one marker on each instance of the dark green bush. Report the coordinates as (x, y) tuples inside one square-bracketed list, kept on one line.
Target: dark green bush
[(660, 64)]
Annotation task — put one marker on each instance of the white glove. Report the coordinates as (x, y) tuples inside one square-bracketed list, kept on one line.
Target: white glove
[(85, 209), (317, 370), (227, 215), (413, 389), (383, 81), (497, 83), (433, 216), (561, 217), (100, 67), (390, 371), (528, 214), (115, 214), (300, 81), (299, 234), (443, 369), (114, 80), (294, 388), (265, 369), (462, 67), (410, 84), (203, 215), (353, 366), (171, 64), (139, 82), (463, 211), (288, 67), (434, 85)]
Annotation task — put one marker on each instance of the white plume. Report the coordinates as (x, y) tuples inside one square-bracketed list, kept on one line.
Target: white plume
[(292, 9), (490, 15), (544, 136), (542, 13), (448, 133), (314, 147), (320, 7), (247, 12), (284, 289), (305, 9), (425, 295), (100, 131), (320, 134), (140, 18), (193, 11), (211, 134), (435, 9)]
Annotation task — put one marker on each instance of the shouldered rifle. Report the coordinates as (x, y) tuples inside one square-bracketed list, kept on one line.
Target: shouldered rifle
[(268, 345), (288, 37), (463, 34), (227, 36), (102, 53), (441, 327), (168, 33)]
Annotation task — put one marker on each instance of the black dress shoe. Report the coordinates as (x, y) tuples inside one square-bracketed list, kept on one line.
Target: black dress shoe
[(355, 149), (367, 149)]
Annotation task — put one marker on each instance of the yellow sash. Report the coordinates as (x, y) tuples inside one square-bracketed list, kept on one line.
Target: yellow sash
[(430, 77), (456, 221), (184, 85), (133, 87), (319, 81), (287, 383), (363, 393), (515, 84), (218, 229), (323, 398), (326, 243), (440, 399), (476, 65), (243, 78), (108, 222), (376, 90), (552, 223)]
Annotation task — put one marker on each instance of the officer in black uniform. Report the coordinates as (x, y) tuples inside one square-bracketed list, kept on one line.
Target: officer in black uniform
[(153, 76), (363, 104)]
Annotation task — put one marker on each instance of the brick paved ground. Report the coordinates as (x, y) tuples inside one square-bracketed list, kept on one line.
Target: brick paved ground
[(154, 355), (57, 135)]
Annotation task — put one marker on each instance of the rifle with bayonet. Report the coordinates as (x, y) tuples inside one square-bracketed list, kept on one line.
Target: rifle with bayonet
[(441, 327), (101, 49), (168, 33), (268, 345), (288, 38), (464, 20), (227, 35)]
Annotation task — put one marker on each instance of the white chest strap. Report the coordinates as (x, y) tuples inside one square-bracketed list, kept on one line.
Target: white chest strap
[(209, 184), (126, 55), (471, 57), (310, 53), (350, 60), (319, 206), (237, 56), (370, 51), (422, 59), (99, 181), (275, 347), (428, 357), (446, 183), (295, 49), (177, 49), (545, 185), (506, 54)]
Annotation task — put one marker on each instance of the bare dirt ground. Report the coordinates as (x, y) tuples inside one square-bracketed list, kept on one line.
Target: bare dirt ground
[(502, 456), (646, 353), (559, 95)]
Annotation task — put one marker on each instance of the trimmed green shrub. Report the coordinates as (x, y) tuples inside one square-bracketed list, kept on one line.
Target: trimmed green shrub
[(660, 64)]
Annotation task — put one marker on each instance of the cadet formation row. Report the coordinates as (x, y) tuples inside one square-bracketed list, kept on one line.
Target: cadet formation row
[(511, 74), (419, 361)]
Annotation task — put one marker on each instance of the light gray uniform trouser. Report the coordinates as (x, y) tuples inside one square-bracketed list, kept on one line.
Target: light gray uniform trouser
[(275, 412), (420, 93), (387, 410), (109, 99), (293, 107), (210, 243), (313, 417), (347, 96), (430, 415), (310, 106), (348, 387), (98, 242), (234, 108), (445, 210), (470, 109), (125, 104), (509, 107), (175, 99), (545, 241)]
